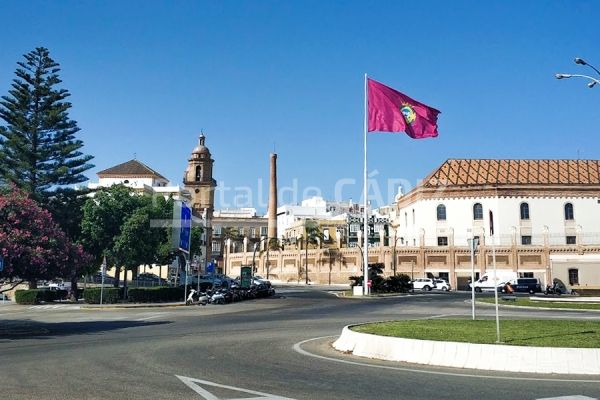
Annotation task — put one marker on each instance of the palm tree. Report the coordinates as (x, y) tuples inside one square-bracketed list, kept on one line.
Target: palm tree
[(228, 233), (272, 244), (312, 235)]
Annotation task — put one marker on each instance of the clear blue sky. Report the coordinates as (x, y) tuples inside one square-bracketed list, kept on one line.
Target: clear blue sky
[(147, 76)]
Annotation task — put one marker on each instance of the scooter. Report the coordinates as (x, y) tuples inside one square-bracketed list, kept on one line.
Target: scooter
[(554, 289), (218, 297), (192, 298), (203, 299), (196, 297)]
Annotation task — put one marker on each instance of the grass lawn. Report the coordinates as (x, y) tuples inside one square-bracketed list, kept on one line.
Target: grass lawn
[(525, 302), (545, 333)]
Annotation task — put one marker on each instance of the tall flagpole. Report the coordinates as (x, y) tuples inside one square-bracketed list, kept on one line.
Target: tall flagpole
[(365, 205)]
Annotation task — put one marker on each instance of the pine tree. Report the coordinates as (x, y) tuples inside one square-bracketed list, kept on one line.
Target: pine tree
[(38, 148)]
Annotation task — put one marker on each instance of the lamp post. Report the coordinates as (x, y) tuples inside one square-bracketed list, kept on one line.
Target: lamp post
[(473, 243), (394, 264), (226, 250), (592, 81)]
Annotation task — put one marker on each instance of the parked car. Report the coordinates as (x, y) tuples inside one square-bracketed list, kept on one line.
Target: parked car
[(149, 279), (259, 279), (424, 284), (441, 284)]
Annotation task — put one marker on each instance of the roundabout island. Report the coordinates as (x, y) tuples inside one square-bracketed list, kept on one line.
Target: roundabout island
[(529, 346)]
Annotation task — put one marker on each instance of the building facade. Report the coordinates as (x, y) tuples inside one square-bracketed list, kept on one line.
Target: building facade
[(546, 217)]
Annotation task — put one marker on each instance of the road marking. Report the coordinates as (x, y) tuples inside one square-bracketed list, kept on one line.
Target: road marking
[(55, 307), (150, 317), (576, 397), (298, 349), (194, 384)]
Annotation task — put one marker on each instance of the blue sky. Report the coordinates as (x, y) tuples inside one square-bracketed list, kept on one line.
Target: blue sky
[(147, 76)]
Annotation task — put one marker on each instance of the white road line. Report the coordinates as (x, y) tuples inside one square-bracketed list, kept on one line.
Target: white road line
[(147, 318), (54, 307), (298, 348), (151, 316), (194, 384)]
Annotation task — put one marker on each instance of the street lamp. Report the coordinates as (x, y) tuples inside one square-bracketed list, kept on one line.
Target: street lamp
[(473, 243), (592, 81), (395, 228)]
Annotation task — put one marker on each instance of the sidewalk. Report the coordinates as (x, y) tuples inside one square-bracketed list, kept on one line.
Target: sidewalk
[(131, 305)]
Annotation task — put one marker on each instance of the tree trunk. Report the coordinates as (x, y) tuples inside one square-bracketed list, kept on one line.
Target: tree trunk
[(74, 290), (33, 284), (117, 276)]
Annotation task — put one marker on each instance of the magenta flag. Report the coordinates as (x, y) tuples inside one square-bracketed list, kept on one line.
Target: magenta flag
[(392, 111)]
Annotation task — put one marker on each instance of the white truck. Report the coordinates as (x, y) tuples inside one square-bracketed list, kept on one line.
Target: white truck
[(486, 281)]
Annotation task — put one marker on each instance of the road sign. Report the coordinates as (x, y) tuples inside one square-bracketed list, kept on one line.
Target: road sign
[(185, 231), (210, 268), (1, 263), (245, 277)]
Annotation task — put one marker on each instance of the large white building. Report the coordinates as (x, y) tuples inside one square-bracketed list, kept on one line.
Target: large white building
[(541, 209)]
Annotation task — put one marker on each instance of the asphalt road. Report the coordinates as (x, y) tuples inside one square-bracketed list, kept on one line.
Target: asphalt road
[(270, 347)]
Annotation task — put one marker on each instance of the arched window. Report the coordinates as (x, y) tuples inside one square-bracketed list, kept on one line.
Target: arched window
[(198, 173), (524, 211), (477, 211), (569, 216), (441, 212)]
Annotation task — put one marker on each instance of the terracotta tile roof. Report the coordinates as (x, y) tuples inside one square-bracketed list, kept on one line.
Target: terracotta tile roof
[(131, 167), (469, 172)]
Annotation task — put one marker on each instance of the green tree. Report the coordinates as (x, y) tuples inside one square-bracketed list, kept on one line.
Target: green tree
[(103, 217), (39, 150), (129, 229)]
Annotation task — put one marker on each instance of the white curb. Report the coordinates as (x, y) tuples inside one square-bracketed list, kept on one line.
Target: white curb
[(541, 360)]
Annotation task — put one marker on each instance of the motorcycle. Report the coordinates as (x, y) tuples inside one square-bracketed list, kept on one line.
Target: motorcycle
[(192, 298), (196, 297)]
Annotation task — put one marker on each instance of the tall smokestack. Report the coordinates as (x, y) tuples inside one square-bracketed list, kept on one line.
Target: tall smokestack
[(272, 212)]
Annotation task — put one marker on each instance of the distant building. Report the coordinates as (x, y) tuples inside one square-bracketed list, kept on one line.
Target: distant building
[(242, 226), (139, 177), (312, 208)]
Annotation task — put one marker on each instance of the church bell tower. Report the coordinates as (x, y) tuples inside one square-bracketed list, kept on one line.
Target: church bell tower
[(198, 181)]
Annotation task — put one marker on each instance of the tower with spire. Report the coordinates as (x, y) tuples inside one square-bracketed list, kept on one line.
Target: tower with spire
[(199, 182)]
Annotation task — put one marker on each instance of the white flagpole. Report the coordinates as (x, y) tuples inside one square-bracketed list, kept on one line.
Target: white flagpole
[(365, 204)]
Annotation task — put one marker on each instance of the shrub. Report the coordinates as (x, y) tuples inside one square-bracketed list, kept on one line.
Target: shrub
[(27, 296), (155, 294), (35, 296), (356, 280), (398, 283), (109, 296)]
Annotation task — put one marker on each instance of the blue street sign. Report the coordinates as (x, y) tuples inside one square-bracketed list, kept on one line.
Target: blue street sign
[(185, 231), (210, 268), (1, 263)]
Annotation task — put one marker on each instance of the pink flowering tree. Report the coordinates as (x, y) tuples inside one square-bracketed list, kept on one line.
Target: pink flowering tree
[(32, 244)]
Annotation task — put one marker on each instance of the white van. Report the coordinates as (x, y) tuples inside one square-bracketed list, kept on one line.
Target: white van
[(486, 282)]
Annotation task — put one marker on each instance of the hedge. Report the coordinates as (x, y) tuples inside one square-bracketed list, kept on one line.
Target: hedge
[(155, 294), (109, 296), (35, 296)]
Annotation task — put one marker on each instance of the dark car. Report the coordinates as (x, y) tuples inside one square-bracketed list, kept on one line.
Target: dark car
[(526, 285)]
